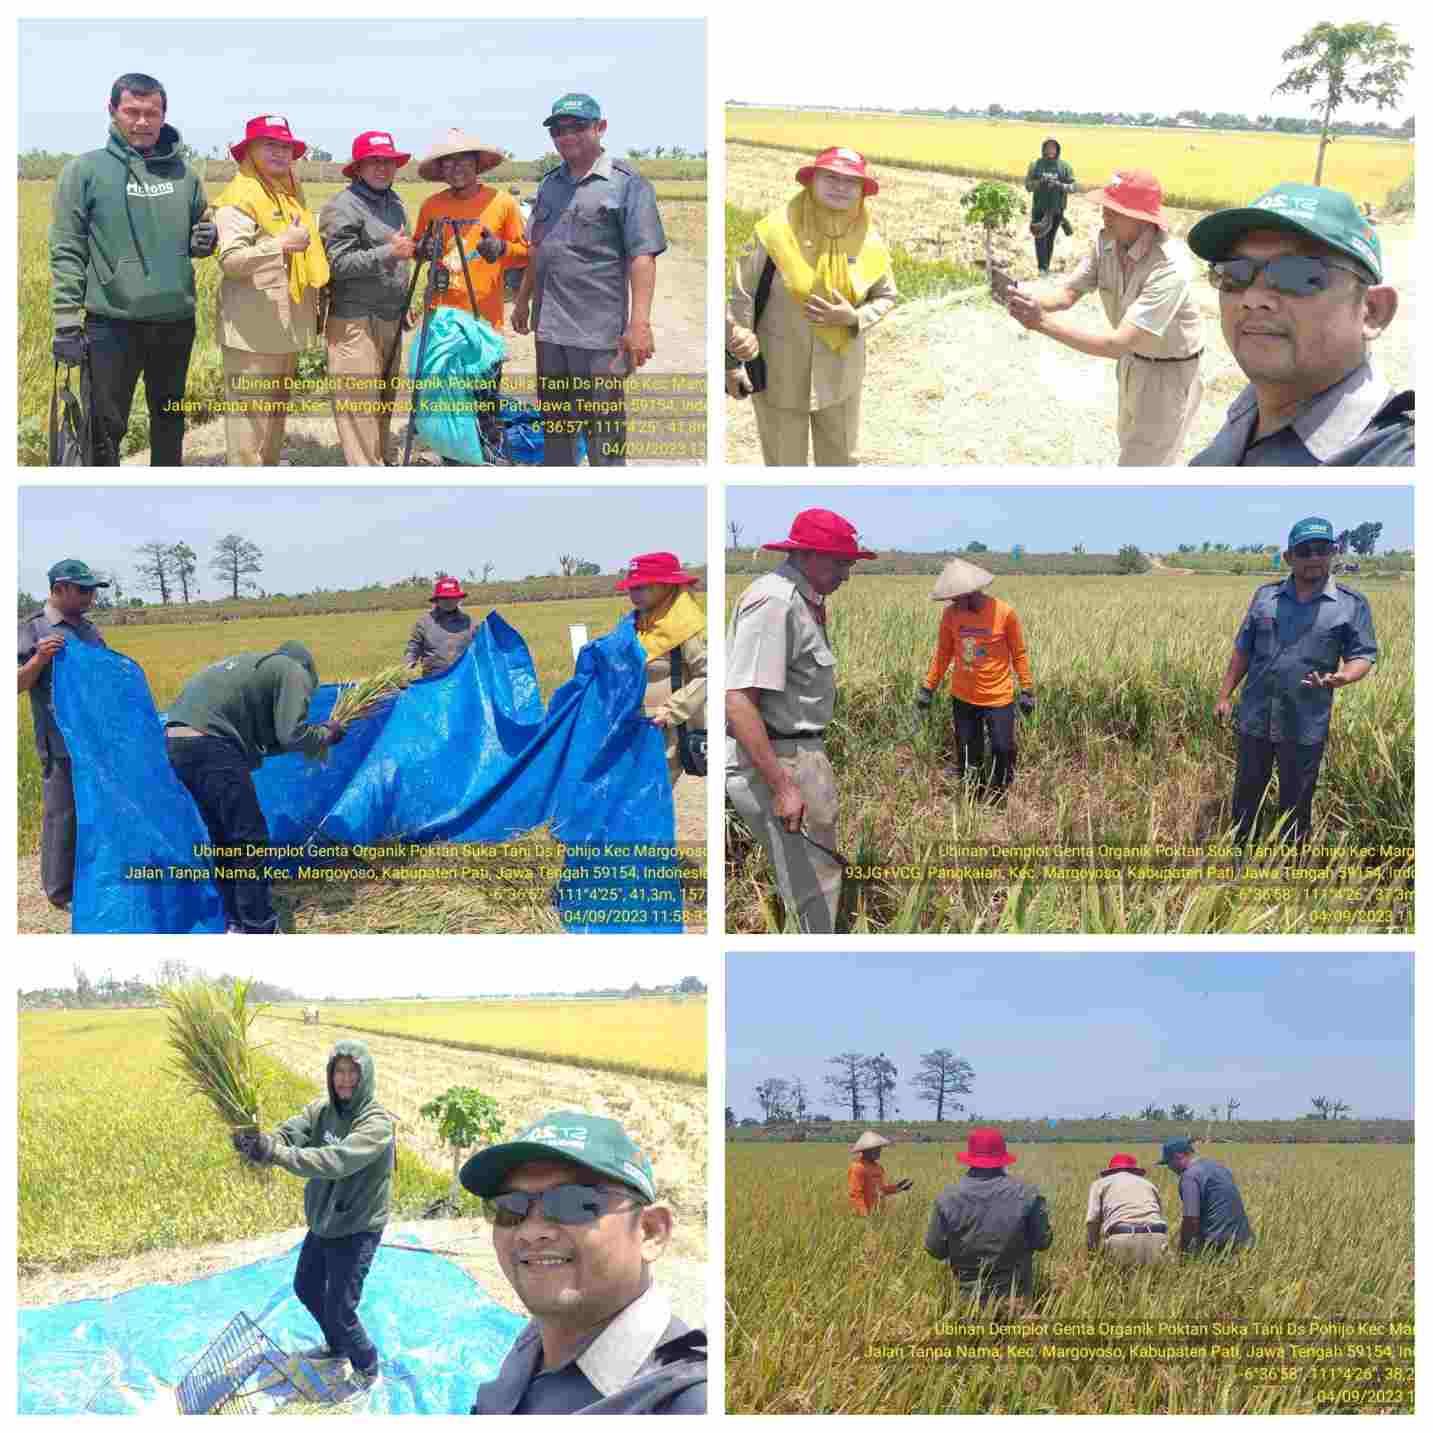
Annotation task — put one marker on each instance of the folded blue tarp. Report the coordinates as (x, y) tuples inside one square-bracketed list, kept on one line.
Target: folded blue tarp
[(438, 1335), (467, 755)]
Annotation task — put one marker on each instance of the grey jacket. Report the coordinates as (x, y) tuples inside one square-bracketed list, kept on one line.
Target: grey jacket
[(987, 1229), (367, 281), (438, 640)]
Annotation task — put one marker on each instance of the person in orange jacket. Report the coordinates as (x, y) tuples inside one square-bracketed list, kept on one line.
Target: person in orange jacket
[(980, 640), (864, 1181)]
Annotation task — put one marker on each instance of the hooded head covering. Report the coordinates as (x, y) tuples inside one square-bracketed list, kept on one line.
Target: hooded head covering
[(300, 654), (356, 1051)]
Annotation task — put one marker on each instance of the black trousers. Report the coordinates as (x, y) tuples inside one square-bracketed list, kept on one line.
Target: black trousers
[(1298, 774), (218, 778), (329, 1283), (1045, 247), (972, 723), (120, 351)]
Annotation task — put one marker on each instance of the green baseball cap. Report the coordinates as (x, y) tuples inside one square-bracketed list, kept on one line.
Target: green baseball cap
[(1328, 215), (1173, 1147), (598, 1144), (74, 571), (574, 106), (1310, 529)]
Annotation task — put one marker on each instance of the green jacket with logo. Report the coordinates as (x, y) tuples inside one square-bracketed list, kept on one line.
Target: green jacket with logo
[(119, 240), (345, 1150)]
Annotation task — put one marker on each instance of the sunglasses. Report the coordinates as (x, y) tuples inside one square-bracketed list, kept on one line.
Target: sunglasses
[(564, 1204), (1313, 549), (571, 127), (1298, 275)]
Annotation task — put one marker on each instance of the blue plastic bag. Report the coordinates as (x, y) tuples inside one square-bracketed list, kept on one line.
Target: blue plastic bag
[(461, 350), (524, 433)]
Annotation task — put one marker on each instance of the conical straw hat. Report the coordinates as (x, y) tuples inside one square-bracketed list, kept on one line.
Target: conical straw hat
[(957, 578), (869, 1140)]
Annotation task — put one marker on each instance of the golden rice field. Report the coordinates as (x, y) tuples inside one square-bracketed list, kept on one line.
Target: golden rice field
[(1199, 169), (1123, 749), (115, 1158), (654, 1035), (811, 1287)]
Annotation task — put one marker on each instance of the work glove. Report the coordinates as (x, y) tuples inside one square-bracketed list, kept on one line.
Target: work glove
[(70, 345), (203, 239), (430, 246), (924, 697), (904, 1184), (336, 732), (1027, 703), (490, 247), (256, 1148)]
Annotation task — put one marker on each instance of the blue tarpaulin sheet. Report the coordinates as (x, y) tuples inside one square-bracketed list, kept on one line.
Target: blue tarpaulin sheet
[(438, 1336), (468, 755)]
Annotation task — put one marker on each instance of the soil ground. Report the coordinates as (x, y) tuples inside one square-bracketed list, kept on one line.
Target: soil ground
[(956, 380)]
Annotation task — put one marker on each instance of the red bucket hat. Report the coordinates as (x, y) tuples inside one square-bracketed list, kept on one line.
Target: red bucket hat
[(373, 144), (1120, 1162), (985, 1149), (651, 569), (1136, 194), (447, 587), (817, 530), (267, 126), (840, 161)]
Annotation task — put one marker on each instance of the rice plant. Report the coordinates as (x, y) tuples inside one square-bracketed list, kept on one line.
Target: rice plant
[(209, 1035), (370, 695)]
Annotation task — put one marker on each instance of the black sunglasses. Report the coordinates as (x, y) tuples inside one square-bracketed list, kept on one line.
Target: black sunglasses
[(1313, 549), (1298, 275), (564, 1204)]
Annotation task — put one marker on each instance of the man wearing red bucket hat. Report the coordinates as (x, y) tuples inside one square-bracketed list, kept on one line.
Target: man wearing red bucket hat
[(988, 1226), (1145, 278), (1123, 1210), (364, 229), (442, 636), (781, 691)]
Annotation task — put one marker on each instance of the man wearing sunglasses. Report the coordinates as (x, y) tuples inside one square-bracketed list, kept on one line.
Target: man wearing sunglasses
[(576, 1226), (1301, 640), (586, 293), (1301, 296)]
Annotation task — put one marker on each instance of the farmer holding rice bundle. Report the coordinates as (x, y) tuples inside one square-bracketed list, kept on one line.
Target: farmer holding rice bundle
[(1051, 180), (1123, 1211), (344, 1147), (441, 637), (274, 265), (672, 630), (814, 278), (865, 1179), (980, 640), (223, 724)]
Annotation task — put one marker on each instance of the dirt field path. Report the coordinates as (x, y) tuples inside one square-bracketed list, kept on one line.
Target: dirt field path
[(957, 380)]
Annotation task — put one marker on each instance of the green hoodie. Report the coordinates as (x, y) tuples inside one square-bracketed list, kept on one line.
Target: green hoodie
[(345, 1150), (119, 242), (256, 700)]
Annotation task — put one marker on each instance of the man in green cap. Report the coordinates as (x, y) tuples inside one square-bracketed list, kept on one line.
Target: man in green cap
[(586, 294), (1214, 1219), (576, 1227), (223, 724), (1300, 641), (42, 638), (1301, 297)]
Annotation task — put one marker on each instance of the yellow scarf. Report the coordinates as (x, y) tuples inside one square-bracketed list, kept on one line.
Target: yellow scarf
[(670, 623), (850, 256), (273, 211)]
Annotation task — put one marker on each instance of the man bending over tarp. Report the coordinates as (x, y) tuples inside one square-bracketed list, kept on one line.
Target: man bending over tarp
[(344, 1147), (225, 722)]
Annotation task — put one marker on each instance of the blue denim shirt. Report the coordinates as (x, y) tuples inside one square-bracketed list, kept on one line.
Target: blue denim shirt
[(1285, 639)]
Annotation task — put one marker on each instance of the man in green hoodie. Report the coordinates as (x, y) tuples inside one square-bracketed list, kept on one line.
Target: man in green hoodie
[(223, 724), (128, 220), (344, 1146), (1051, 181)]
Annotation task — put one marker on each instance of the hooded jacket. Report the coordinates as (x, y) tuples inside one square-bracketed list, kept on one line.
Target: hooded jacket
[(257, 700), (1049, 201), (345, 1150), (119, 238)]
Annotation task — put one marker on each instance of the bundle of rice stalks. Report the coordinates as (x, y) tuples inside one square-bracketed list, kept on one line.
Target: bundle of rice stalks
[(209, 1033), (362, 699)]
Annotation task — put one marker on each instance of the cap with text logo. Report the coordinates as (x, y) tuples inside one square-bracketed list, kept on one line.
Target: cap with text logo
[(1328, 215), (595, 1143), (75, 572), (1310, 529), (574, 106)]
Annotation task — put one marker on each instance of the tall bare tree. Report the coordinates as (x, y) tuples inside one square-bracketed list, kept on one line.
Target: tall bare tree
[(848, 1083), (1230, 1105), (734, 530), (235, 560), (772, 1095), (943, 1075), (800, 1096), (880, 1076), (156, 568), (185, 564)]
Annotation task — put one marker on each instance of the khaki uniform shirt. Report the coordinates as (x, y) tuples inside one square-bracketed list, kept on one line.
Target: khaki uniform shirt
[(1155, 292), (50, 621), (776, 644), (256, 312), (801, 372), (1122, 1198), (689, 702)]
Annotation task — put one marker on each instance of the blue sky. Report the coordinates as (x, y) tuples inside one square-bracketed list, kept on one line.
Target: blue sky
[(321, 536), (1076, 1035), (1053, 519), (334, 78)]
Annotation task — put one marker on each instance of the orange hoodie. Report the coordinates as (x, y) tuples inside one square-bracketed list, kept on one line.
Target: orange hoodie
[(982, 646), (498, 212)]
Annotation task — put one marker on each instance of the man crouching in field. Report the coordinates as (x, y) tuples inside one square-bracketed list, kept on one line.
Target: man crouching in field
[(575, 1227), (344, 1146)]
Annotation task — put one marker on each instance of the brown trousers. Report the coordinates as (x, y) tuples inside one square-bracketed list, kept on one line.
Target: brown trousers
[(831, 434), (254, 421), (357, 350)]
